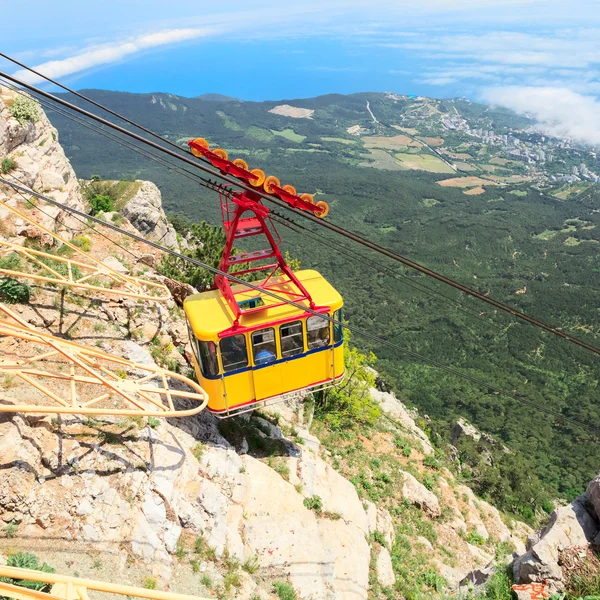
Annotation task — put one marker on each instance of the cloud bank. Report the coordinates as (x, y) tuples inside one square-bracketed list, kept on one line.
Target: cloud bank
[(109, 53), (560, 111)]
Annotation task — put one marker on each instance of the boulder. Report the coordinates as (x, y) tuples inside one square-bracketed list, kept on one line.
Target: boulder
[(416, 493), (385, 570), (463, 429), (593, 494), (145, 212), (569, 526)]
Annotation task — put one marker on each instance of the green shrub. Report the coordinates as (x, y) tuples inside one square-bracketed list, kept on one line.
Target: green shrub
[(28, 561), (83, 242), (10, 262), (13, 291), (8, 165), (24, 110), (314, 503), (101, 203), (11, 529), (150, 583), (499, 586), (284, 590)]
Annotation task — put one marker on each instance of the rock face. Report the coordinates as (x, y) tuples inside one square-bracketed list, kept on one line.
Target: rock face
[(391, 405), (41, 165), (416, 493), (144, 211), (572, 526)]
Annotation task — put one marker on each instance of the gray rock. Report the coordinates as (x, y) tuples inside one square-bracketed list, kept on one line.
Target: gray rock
[(463, 429), (593, 494), (385, 570), (112, 263), (572, 525), (144, 211), (417, 494)]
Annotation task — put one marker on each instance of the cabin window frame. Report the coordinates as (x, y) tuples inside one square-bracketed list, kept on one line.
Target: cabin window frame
[(233, 366), (204, 360), (298, 350), (338, 330), (255, 352), (318, 343)]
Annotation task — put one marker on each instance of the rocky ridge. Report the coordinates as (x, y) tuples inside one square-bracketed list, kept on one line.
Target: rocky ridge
[(34, 158)]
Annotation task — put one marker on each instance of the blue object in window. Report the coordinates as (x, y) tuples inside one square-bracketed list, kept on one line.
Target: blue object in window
[(264, 357)]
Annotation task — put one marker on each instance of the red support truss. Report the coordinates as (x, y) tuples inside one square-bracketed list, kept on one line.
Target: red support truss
[(245, 217), (234, 207)]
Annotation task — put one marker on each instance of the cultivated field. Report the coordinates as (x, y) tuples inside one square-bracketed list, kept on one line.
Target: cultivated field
[(424, 162), (474, 191), (465, 182), (397, 142)]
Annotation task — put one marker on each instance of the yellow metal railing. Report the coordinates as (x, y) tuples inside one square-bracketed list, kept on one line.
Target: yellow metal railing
[(74, 588)]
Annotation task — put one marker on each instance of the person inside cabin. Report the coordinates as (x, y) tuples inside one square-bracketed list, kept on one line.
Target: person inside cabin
[(317, 332), (233, 352), (265, 350)]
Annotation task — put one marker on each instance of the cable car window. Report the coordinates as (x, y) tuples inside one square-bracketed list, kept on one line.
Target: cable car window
[(292, 340), (208, 358), (233, 353), (338, 330), (317, 332), (264, 347)]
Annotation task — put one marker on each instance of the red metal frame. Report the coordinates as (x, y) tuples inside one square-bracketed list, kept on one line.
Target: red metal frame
[(237, 226)]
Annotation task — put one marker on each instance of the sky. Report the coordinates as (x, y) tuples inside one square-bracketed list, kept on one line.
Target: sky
[(538, 57)]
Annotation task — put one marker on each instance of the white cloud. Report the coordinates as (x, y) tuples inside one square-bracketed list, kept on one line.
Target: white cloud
[(559, 111), (109, 53)]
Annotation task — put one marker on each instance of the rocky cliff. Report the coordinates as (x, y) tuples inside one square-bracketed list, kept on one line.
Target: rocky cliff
[(31, 155), (566, 548), (239, 508)]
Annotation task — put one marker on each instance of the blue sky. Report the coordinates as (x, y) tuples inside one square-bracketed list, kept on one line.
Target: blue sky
[(536, 56)]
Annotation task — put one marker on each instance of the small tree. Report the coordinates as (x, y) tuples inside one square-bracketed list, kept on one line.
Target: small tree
[(101, 203)]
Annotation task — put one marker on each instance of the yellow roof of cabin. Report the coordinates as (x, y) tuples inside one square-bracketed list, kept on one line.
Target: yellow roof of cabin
[(210, 314)]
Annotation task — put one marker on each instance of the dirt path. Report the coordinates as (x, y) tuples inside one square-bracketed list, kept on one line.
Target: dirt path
[(371, 113)]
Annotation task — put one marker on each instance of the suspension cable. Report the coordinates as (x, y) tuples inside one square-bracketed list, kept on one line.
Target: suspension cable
[(480, 382), (328, 225)]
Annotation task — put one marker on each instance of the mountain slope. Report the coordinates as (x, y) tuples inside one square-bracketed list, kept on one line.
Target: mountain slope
[(511, 239)]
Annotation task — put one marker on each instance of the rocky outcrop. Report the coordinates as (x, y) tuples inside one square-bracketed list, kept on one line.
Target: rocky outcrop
[(416, 493), (392, 406), (145, 212), (573, 526), (39, 163)]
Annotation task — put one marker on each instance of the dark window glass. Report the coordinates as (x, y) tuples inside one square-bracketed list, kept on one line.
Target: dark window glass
[(338, 330), (264, 347), (317, 332), (233, 353), (208, 358), (292, 341)]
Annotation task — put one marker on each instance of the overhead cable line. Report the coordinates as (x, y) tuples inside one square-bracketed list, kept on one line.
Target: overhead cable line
[(281, 219), (365, 334), (346, 250), (323, 223)]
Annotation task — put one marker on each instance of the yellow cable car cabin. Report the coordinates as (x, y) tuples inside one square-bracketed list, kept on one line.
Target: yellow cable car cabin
[(270, 352)]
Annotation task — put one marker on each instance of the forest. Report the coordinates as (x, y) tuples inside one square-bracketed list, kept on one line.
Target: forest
[(516, 243)]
